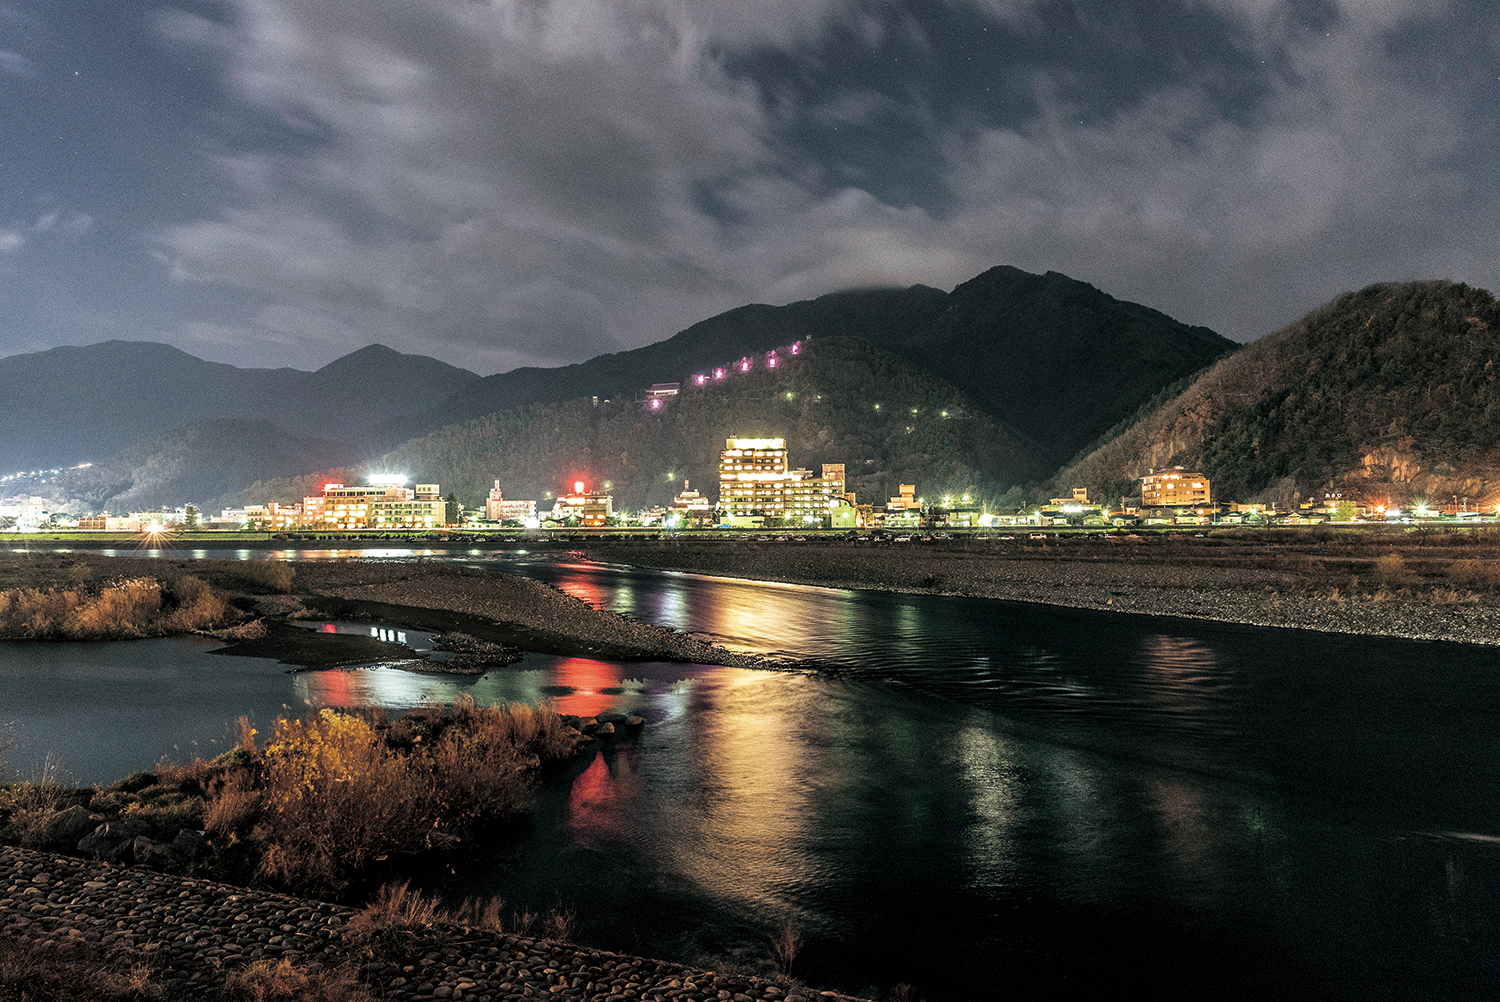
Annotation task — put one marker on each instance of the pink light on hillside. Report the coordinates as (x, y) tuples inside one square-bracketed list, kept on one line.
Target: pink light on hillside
[(656, 405), (700, 379), (796, 347), (744, 365), (718, 373)]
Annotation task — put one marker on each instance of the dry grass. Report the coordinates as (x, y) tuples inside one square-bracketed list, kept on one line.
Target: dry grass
[(1474, 573), (137, 607), (340, 790), (272, 575), (33, 972), (284, 981), (785, 945)]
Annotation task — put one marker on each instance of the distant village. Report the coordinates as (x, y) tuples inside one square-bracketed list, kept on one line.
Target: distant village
[(758, 489)]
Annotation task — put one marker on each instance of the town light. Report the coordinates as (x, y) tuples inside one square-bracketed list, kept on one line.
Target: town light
[(578, 487), (386, 479)]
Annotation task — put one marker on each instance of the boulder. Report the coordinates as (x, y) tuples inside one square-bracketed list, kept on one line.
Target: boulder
[(157, 855), (634, 721), (605, 730), (61, 830), (189, 843)]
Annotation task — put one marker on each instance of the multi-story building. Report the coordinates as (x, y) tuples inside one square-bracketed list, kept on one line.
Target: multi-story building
[(1174, 487), (752, 472), (383, 503), (497, 509), (754, 482), (422, 507), (690, 507), (273, 516), (591, 508)]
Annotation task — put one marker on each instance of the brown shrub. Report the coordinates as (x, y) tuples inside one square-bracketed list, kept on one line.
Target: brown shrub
[(33, 971), (278, 980), (1474, 573), (1391, 570), (337, 797)]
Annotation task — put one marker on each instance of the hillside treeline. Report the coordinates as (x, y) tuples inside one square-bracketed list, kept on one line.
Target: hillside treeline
[(1391, 388), (824, 402)]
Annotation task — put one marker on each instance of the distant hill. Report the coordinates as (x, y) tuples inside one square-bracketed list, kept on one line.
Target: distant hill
[(1048, 362), (196, 462), (879, 314), (1055, 357), (1051, 356), (71, 405), (1389, 392), (822, 402)]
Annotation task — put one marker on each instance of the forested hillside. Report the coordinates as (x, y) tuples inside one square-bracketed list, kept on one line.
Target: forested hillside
[(840, 401), (1390, 390)]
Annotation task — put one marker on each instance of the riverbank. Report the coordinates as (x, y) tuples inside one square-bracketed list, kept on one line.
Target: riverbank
[(187, 935), (1433, 589), (496, 614)]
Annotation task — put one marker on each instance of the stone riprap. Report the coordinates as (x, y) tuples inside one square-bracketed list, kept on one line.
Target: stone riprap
[(189, 931)]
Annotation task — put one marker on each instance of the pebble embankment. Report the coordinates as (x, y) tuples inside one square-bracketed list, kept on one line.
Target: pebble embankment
[(188, 932)]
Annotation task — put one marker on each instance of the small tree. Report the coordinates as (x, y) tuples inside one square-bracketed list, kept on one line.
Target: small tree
[(455, 510), (190, 519)]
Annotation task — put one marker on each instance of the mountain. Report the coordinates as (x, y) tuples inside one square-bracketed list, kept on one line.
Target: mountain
[(1047, 362), (878, 314), (1055, 357), (1388, 392), (74, 404), (823, 402), (1051, 356), (195, 462)]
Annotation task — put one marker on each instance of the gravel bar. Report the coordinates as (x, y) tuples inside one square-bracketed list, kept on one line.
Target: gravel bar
[(188, 932), (529, 614), (1106, 578)]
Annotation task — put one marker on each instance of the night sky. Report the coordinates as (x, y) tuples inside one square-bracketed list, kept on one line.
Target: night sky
[(280, 182)]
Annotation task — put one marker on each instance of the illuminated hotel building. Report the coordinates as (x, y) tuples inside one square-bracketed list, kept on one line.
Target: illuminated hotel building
[(383, 503), (590, 508), (754, 481), (497, 509), (1175, 486)]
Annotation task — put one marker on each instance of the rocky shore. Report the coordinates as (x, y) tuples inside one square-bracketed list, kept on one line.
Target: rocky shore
[(1113, 574), (503, 609), (188, 932)]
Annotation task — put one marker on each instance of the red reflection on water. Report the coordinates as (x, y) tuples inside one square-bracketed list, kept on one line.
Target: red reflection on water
[(587, 679), (596, 803), (583, 589), (336, 689), (328, 628)]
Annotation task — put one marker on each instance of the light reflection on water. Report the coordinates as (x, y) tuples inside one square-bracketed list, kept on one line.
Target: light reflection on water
[(972, 787)]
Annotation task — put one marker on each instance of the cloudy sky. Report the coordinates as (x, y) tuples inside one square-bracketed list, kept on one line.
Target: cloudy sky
[(510, 182)]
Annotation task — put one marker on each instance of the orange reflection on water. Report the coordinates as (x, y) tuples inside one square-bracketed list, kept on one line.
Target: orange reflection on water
[(587, 679)]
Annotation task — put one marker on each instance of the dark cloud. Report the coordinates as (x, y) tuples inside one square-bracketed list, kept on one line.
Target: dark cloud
[(536, 182)]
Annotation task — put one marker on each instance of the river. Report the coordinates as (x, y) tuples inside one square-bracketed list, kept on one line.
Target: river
[(975, 798)]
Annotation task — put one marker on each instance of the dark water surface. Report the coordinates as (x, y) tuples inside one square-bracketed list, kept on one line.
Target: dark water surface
[(981, 799)]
